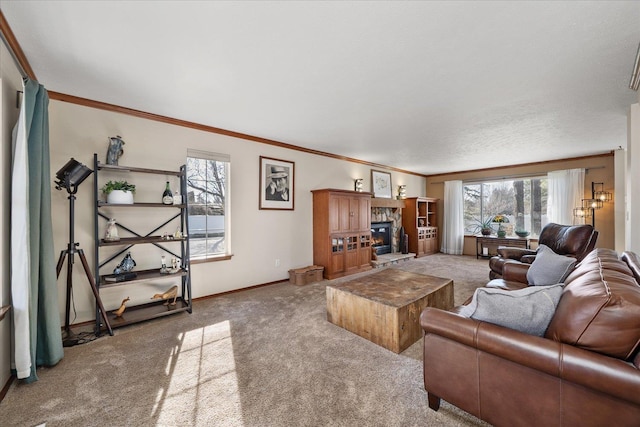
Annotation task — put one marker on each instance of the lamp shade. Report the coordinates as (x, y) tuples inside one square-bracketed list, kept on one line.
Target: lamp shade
[(600, 194), (592, 204), (581, 212), (72, 174)]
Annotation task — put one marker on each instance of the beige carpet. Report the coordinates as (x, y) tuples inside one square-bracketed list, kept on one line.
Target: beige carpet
[(261, 357)]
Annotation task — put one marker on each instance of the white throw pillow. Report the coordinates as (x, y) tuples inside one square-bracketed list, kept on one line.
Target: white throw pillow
[(549, 268)]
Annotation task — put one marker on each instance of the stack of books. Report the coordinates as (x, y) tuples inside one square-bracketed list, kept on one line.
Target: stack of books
[(120, 277)]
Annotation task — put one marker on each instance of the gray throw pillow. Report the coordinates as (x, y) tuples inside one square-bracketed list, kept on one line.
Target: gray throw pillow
[(549, 268), (527, 310)]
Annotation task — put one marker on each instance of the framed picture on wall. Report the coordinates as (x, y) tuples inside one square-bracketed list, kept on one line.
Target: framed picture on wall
[(276, 184), (381, 184)]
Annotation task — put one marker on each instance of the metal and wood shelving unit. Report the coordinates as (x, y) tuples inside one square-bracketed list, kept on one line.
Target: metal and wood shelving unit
[(155, 309)]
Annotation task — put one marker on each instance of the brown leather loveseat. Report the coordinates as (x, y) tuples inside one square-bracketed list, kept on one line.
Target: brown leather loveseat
[(570, 240), (584, 370)]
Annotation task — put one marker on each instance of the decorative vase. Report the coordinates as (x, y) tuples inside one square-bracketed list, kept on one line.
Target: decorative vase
[(486, 231), (111, 234), (501, 231), (120, 197)]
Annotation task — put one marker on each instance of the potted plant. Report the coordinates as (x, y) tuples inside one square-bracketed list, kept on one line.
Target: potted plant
[(484, 227), (119, 192)]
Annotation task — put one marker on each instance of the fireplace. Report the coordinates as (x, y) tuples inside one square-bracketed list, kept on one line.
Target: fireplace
[(381, 236)]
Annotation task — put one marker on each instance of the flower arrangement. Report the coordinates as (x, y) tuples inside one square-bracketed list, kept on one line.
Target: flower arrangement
[(500, 219)]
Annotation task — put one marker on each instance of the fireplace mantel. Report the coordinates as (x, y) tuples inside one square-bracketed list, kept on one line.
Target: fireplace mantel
[(386, 203)]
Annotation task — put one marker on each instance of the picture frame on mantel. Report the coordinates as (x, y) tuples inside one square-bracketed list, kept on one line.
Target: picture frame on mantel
[(277, 178), (381, 184)]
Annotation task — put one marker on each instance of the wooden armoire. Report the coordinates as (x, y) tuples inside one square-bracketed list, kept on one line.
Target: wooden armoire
[(341, 231)]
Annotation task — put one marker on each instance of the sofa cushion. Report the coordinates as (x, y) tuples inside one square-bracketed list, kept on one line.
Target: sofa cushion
[(600, 307), (549, 268), (527, 310), (505, 284)]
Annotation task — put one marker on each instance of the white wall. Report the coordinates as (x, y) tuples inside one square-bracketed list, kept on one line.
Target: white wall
[(620, 198), (632, 240), (10, 82), (259, 237)]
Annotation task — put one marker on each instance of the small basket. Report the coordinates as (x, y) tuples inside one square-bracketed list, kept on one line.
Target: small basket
[(306, 275)]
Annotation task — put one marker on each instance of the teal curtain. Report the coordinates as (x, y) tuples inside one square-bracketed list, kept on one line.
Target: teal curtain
[(44, 314)]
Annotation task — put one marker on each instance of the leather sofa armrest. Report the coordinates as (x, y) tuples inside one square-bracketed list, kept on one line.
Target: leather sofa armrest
[(528, 259), (514, 271), (514, 253), (586, 368)]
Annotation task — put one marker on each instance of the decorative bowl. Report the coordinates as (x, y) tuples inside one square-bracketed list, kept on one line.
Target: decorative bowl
[(522, 233)]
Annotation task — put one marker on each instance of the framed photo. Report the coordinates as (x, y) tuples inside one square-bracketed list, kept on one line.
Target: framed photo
[(276, 184), (381, 184)]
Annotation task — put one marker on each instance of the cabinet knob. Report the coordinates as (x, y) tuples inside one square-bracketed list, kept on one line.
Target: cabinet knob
[(351, 213)]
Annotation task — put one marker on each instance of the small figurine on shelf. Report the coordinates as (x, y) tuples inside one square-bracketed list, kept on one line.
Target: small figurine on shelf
[(111, 234), (171, 293), (125, 265), (177, 234), (164, 269), (115, 149), (175, 265), (120, 310)]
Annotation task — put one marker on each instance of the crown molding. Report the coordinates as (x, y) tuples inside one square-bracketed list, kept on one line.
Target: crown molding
[(205, 128)]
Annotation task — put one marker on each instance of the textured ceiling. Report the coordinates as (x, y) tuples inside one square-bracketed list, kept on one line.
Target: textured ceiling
[(429, 87)]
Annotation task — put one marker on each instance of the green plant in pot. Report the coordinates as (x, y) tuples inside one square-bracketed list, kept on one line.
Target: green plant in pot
[(483, 227), (119, 192)]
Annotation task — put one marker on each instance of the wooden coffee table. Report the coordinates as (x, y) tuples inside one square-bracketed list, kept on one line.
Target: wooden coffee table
[(385, 307)]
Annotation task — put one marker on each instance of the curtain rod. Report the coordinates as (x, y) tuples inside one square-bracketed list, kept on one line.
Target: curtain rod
[(522, 175), (13, 56), (9, 40)]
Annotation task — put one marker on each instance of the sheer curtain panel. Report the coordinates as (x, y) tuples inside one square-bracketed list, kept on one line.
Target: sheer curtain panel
[(453, 221), (566, 191)]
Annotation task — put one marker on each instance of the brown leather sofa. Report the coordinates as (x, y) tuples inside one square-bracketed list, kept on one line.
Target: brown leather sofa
[(570, 240), (584, 371)]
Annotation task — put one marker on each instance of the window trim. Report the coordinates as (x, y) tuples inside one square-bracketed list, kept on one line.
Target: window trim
[(489, 180), (218, 157)]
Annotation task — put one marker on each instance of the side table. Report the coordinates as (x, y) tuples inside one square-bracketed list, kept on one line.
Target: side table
[(491, 243)]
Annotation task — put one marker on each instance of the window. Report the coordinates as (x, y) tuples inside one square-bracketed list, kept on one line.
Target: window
[(523, 201), (208, 197)]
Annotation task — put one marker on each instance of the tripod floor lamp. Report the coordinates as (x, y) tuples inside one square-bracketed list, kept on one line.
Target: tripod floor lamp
[(70, 177)]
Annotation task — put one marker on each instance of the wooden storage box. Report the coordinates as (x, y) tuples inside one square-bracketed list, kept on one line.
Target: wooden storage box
[(306, 275)]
